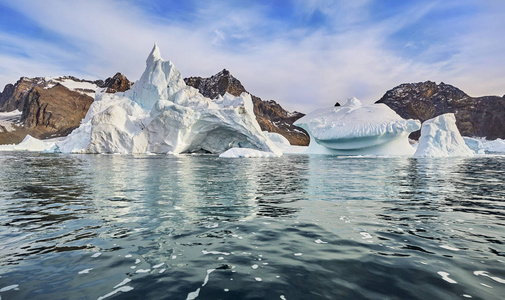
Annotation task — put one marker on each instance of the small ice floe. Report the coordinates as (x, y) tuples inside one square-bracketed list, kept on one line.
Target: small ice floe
[(488, 286), (162, 271), (226, 290), (143, 271), (258, 279), (137, 261), (220, 258), (174, 256), (123, 289), (466, 296), (9, 287), (133, 267), (254, 267), (485, 274), (282, 297), (125, 281), (449, 247), (298, 254), (96, 255), (128, 255), (215, 252), (213, 225), (318, 241), (158, 265), (445, 276), (85, 271)]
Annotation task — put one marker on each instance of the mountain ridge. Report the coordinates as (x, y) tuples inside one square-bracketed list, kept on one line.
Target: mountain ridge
[(475, 116)]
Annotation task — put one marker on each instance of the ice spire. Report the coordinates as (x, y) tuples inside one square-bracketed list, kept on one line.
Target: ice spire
[(154, 55)]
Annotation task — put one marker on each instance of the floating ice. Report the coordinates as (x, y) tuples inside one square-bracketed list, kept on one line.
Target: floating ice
[(356, 129), (245, 152), (96, 255), (318, 241), (254, 267), (160, 114), (30, 143), (298, 254), (441, 138), (483, 146), (258, 279)]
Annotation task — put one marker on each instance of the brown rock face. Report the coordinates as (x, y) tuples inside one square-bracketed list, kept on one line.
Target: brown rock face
[(117, 83), (269, 114), (55, 111), (480, 117)]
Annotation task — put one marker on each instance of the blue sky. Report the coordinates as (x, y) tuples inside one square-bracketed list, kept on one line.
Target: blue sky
[(304, 54)]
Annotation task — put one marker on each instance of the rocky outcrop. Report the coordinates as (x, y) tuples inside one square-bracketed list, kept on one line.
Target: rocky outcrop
[(55, 111), (269, 114), (475, 116), (117, 83)]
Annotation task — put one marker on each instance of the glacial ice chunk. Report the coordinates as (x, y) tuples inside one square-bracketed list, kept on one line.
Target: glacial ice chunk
[(357, 129), (160, 114), (441, 138)]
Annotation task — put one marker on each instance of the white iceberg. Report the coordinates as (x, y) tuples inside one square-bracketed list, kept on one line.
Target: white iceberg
[(441, 138), (483, 146), (30, 143), (356, 129), (160, 114)]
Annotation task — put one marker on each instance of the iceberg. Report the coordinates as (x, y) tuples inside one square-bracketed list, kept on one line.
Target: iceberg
[(161, 114), (483, 146), (357, 129), (30, 143), (441, 138)]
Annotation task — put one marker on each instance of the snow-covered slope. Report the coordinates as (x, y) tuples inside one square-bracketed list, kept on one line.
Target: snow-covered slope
[(356, 129), (160, 114), (441, 138)]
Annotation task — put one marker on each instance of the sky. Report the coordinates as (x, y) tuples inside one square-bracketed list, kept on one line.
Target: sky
[(305, 54)]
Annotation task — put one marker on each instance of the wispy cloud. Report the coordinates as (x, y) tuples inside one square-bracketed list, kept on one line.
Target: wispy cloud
[(304, 54)]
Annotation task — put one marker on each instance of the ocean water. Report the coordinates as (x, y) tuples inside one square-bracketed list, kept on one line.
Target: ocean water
[(294, 227)]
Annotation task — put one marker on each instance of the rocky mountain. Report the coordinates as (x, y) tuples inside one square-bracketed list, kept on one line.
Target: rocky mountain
[(475, 116), (269, 114), (51, 107)]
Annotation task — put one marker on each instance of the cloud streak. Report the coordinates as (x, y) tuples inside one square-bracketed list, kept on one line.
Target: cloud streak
[(322, 52)]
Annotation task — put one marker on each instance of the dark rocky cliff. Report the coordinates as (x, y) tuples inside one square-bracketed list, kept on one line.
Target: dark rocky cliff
[(49, 109), (269, 114), (475, 116)]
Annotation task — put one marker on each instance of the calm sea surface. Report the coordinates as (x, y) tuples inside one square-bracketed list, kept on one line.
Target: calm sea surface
[(295, 227)]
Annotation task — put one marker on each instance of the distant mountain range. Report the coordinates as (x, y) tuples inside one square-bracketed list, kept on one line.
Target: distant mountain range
[(52, 107)]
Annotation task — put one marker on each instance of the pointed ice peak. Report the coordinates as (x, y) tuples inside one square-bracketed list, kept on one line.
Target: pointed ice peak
[(154, 55)]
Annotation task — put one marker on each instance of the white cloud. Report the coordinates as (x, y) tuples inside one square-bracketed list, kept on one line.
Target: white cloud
[(300, 68)]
